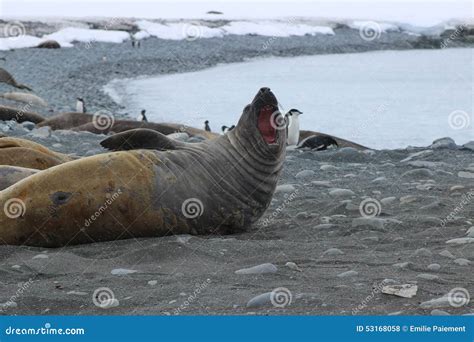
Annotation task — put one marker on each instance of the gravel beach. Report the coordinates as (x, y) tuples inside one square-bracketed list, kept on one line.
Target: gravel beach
[(343, 227)]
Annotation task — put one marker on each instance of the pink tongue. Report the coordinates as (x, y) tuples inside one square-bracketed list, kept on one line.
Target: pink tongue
[(265, 124)]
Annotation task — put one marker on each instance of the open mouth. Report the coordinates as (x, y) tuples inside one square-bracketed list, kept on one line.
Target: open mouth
[(267, 123)]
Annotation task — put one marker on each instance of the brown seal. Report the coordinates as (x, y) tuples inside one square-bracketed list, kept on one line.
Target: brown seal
[(9, 175), (222, 185), (49, 44), (19, 114)]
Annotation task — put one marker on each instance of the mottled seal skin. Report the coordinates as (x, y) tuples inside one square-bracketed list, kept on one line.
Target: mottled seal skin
[(25, 153), (340, 142), (31, 99), (9, 175), (218, 186), (19, 114)]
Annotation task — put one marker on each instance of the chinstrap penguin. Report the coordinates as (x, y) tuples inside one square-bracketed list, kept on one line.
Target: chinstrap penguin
[(293, 127)]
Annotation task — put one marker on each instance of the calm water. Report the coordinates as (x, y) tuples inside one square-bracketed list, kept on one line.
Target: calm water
[(383, 99)]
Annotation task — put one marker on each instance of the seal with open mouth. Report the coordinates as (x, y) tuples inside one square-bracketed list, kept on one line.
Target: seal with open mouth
[(217, 186)]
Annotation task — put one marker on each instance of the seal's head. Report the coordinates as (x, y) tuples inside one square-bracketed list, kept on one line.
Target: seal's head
[(262, 124)]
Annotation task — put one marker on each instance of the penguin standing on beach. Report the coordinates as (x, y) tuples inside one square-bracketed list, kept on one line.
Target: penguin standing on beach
[(206, 126), (80, 105), (293, 127), (142, 116)]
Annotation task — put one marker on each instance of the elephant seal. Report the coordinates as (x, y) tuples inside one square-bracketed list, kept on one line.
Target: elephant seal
[(30, 99), (9, 175), (49, 44), (7, 78), (66, 120), (340, 142), (217, 186), (28, 154), (19, 115), (140, 138)]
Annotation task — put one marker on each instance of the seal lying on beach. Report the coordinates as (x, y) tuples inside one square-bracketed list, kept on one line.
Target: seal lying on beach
[(66, 120), (340, 142), (6, 77), (19, 115), (217, 186), (9, 175)]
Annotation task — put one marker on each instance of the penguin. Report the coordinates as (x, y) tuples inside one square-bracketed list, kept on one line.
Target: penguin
[(142, 116), (206, 126), (133, 43), (293, 127), (226, 129), (80, 105), (318, 142), (138, 44)]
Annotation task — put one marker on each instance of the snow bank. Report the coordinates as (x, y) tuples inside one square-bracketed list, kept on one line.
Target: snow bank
[(274, 29), (73, 34), (176, 31), (19, 42)]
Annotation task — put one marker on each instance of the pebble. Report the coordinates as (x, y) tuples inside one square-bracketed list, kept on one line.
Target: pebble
[(469, 145), (109, 303), (437, 312), (462, 262), (341, 193), (407, 199), (305, 174), (324, 226), (423, 252), (427, 276), (456, 188), (41, 132), (260, 300), (328, 167), (152, 282), (302, 215), (405, 290), (285, 188), (418, 173), (346, 274), (28, 125), (401, 265), (387, 200), (379, 180), (426, 164), (122, 271), (442, 302), (417, 154), (293, 266), (16, 267), (369, 221), (470, 232), (259, 269), (77, 293), (326, 184), (443, 143), (332, 252), (8, 304), (182, 136), (434, 267), (40, 256), (447, 254), (461, 241), (465, 174)]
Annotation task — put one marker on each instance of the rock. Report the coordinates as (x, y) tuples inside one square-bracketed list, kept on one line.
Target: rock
[(401, 265), (462, 262), (405, 290), (122, 271), (388, 200), (465, 174), (326, 184), (77, 293), (461, 241), (424, 252), (7, 305), (328, 167), (152, 282), (379, 180), (434, 267), (369, 221), (442, 302), (444, 143), (427, 276), (447, 254), (259, 269), (182, 136), (286, 188), (293, 266), (16, 267), (470, 232), (469, 145), (456, 188), (417, 154), (341, 193), (263, 299), (109, 303), (418, 173), (324, 226), (28, 125), (305, 174), (41, 256), (426, 164), (407, 199), (346, 274), (41, 132), (333, 252), (301, 216), (437, 312)]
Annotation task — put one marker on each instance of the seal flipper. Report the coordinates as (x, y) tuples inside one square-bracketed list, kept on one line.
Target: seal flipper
[(140, 138)]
